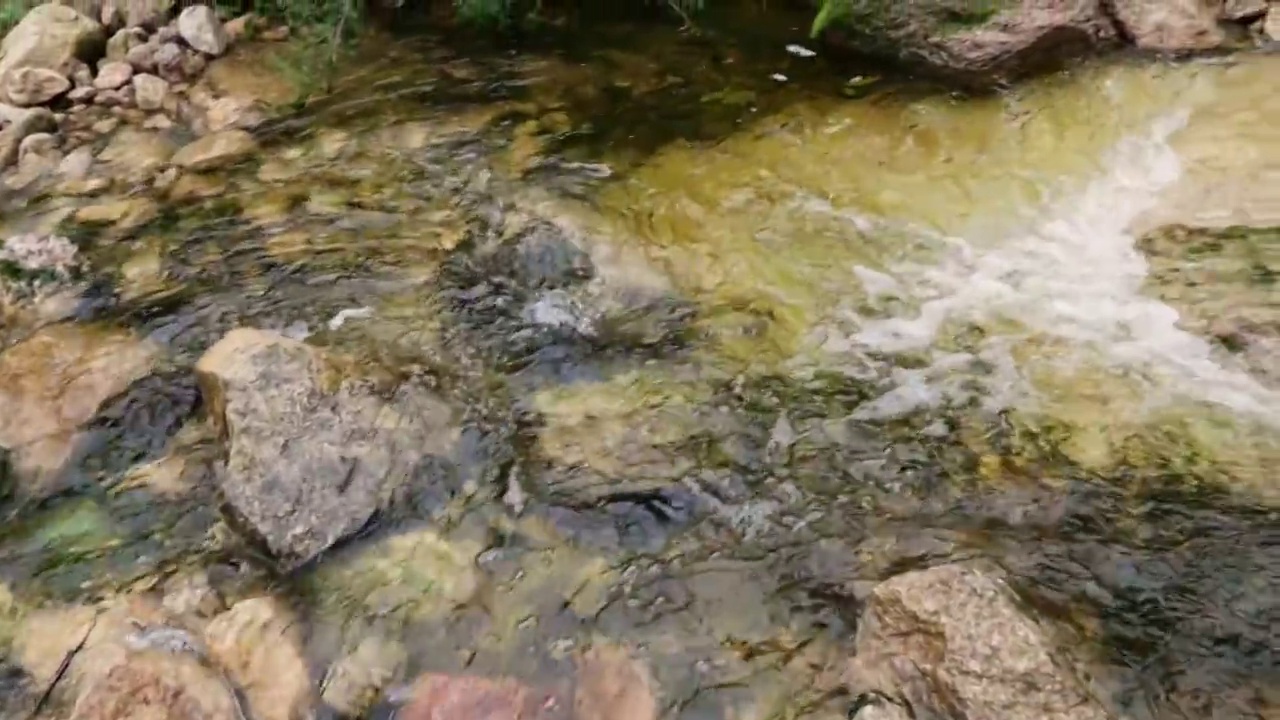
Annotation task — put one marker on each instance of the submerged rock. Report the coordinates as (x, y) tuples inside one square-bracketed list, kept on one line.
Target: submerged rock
[(216, 150), (135, 662), (353, 685), (54, 383), (135, 155), (409, 575), (470, 697), (258, 642), (613, 686), (1222, 283), (951, 641), (312, 454)]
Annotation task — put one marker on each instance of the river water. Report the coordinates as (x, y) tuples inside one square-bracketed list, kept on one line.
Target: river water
[(872, 334)]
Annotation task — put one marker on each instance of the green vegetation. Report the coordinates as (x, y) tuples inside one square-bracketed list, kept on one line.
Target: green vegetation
[(10, 13)]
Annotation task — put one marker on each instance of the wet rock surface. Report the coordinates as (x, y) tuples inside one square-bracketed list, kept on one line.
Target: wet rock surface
[(951, 642), (313, 455)]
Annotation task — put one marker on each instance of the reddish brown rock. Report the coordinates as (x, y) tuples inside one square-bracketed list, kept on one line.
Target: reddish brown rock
[(469, 697)]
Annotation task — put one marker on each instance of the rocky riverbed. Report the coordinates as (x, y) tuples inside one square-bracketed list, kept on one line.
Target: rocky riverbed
[(626, 381)]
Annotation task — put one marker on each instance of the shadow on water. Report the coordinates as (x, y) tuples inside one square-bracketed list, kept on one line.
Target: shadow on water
[(729, 521)]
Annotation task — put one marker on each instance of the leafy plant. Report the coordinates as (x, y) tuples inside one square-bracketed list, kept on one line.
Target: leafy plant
[(325, 28), (829, 11)]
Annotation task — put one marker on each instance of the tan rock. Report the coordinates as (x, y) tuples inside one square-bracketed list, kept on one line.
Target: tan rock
[(149, 92), (21, 123), (230, 112), (135, 155), (82, 94), (143, 57), (613, 686), (190, 594), (196, 187), (1170, 25), (39, 146), (122, 42), (34, 86), (82, 187), (259, 644), (953, 635), (135, 664), (125, 214), (105, 126), (51, 37), (76, 165), (113, 98), (159, 121), (356, 681), (113, 75), (216, 150), (55, 381)]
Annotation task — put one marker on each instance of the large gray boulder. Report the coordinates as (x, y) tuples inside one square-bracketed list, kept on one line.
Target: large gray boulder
[(951, 642), (312, 452), (200, 27), (51, 37)]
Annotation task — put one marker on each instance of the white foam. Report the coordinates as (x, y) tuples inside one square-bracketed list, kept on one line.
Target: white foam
[(1075, 275)]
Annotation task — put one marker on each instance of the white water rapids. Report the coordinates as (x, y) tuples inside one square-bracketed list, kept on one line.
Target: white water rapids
[(1074, 276)]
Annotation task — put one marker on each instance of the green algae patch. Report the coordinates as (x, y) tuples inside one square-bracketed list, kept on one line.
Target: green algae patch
[(409, 576)]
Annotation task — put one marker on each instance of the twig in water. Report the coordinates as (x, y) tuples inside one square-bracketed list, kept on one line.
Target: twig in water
[(63, 667)]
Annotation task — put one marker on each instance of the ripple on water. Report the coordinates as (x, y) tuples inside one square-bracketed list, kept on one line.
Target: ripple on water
[(869, 337)]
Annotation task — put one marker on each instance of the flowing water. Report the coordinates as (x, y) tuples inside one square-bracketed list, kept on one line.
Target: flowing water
[(827, 340)]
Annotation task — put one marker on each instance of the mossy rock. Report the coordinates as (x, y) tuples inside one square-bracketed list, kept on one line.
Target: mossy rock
[(978, 44), (1223, 283)]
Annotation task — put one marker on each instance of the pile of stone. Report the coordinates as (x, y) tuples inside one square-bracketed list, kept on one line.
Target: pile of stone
[(71, 77)]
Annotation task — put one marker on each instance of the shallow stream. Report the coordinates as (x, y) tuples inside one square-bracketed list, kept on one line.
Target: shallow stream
[(827, 339)]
